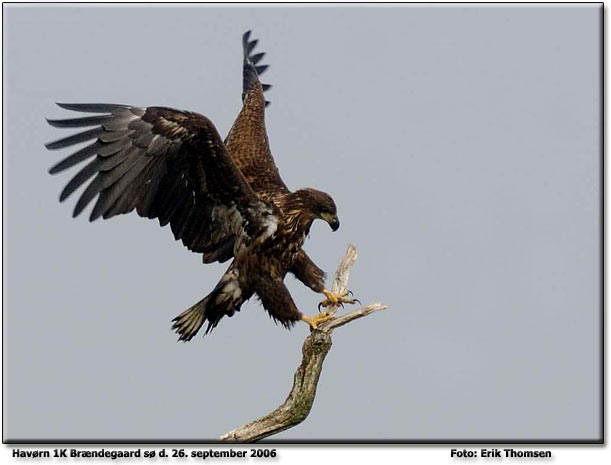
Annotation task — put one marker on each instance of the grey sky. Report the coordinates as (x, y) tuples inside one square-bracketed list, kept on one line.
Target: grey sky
[(462, 147)]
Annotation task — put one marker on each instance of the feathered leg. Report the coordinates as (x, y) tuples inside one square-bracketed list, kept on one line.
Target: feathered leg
[(306, 271), (277, 300)]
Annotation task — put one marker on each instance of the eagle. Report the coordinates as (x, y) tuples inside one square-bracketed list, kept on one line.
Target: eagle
[(224, 199)]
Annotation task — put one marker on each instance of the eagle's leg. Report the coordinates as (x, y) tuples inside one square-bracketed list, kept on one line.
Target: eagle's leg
[(316, 320), (306, 271), (340, 299), (278, 302)]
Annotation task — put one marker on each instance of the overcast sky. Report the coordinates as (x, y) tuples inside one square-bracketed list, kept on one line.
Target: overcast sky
[(462, 147)]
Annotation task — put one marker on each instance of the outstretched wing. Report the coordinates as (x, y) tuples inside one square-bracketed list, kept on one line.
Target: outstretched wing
[(247, 141), (166, 164)]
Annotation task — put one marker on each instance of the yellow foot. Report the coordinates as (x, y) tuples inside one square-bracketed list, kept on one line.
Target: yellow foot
[(336, 299), (318, 319)]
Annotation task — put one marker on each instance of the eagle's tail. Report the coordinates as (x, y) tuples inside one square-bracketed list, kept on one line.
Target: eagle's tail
[(252, 70), (224, 300), (189, 322)]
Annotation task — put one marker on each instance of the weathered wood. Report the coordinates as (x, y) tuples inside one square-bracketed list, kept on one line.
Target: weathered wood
[(299, 402)]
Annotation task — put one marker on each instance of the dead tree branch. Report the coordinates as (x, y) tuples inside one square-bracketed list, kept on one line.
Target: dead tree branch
[(299, 402)]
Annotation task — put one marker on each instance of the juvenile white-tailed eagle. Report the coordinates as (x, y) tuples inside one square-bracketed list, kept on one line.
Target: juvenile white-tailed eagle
[(225, 200)]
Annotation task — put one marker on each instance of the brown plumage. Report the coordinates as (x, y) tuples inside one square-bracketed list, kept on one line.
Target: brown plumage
[(223, 199)]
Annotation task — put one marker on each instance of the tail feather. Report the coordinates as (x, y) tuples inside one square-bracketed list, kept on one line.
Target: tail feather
[(226, 299), (189, 322)]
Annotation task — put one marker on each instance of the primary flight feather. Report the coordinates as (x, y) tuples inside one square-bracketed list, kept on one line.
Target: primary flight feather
[(222, 199)]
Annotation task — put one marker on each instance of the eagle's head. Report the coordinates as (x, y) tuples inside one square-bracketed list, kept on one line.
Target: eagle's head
[(320, 205)]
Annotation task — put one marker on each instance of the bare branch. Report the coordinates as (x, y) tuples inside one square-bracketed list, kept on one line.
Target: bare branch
[(348, 317), (299, 402), (342, 275), (297, 405)]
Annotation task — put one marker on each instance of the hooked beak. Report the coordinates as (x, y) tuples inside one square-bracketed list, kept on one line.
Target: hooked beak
[(332, 220)]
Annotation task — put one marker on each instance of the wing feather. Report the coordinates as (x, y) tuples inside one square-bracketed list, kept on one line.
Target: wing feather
[(76, 158), (247, 142), (166, 164), (112, 136), (172, 165), (75, 139), (119, 178), (79, 122), (93, 107), (80, 178)]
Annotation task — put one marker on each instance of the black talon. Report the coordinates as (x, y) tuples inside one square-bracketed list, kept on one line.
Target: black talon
[(319, 305), (357, 300), (350, 292)]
